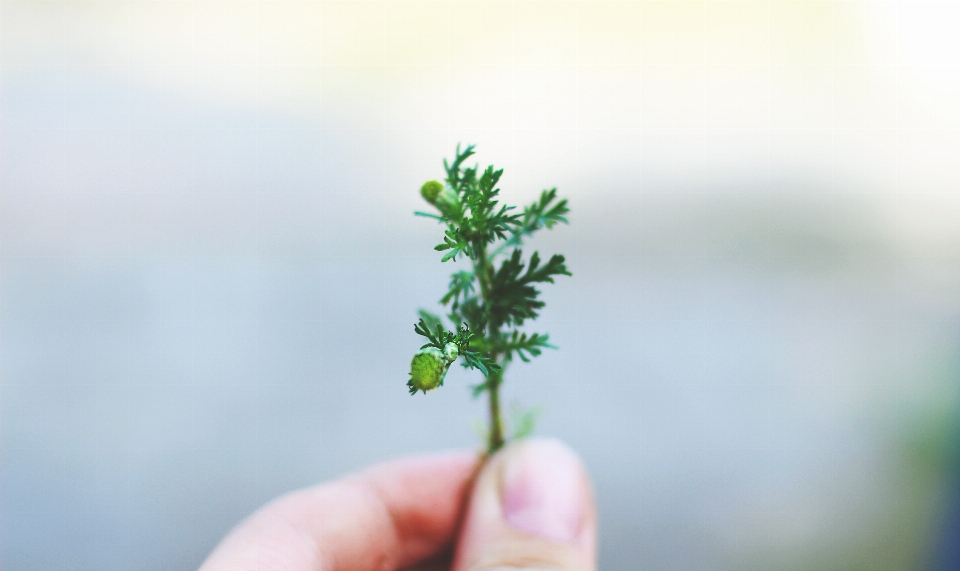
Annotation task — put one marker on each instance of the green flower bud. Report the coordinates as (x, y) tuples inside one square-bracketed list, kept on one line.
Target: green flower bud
[(430, 190), (430, 366), (427, 370), (445, 199)]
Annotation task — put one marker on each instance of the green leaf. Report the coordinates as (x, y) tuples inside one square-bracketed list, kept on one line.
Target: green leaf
[(524, 346), (477, 390), (541, 214), (461, 285), (453, 241), (421, 328), (431, 320), (475, 360), (453, 170), (524, 420), (513, 298), (429, 215)]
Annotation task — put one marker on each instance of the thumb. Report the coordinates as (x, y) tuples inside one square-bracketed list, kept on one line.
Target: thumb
[(531, 508)]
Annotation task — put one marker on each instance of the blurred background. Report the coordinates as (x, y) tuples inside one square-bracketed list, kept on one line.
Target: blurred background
[(211, 270)]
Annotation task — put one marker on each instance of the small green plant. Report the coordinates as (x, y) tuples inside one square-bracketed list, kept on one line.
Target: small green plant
[(491, 301)]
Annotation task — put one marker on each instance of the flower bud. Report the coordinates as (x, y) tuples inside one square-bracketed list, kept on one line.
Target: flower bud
[(444, 198), (427, 370), (430, 190), (430, 366)]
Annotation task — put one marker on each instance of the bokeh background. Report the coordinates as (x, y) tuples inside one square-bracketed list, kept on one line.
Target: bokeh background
[(211, 270)]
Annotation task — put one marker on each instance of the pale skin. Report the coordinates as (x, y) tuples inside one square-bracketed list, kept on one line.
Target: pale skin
[(529, 506)]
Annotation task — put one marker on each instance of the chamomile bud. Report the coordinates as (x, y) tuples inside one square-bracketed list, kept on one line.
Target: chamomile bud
[(444, 198), (430, 190), (427, 369)]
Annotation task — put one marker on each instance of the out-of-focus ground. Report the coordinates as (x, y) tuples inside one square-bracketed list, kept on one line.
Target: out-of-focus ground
[(210, 267)]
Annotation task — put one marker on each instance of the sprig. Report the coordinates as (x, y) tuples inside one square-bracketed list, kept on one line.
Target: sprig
[(490, 302)]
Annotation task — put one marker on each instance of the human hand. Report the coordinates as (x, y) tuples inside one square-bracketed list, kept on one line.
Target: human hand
[(529, 507)]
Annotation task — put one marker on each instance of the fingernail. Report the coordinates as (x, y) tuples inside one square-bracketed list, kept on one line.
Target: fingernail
[(543, 491)]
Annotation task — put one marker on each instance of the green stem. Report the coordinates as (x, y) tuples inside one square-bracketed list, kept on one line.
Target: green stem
[(496, 425), (483, 270)]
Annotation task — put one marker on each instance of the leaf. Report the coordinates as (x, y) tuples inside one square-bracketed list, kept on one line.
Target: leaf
[(541, 215), (475, 360), (421, 328), (477, 390), (453, 170), (453, 241), (430, 320), (523, 420), (524, 346), (513, 298), (461, 285), (429, 215)]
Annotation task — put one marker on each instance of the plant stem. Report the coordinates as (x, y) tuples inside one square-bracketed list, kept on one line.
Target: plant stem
[(496, 425), (483, 270)]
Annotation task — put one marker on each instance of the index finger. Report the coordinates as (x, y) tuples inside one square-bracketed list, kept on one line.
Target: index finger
[(390, 516)]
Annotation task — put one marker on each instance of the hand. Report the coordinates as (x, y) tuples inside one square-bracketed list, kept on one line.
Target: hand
[(529, 507)]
